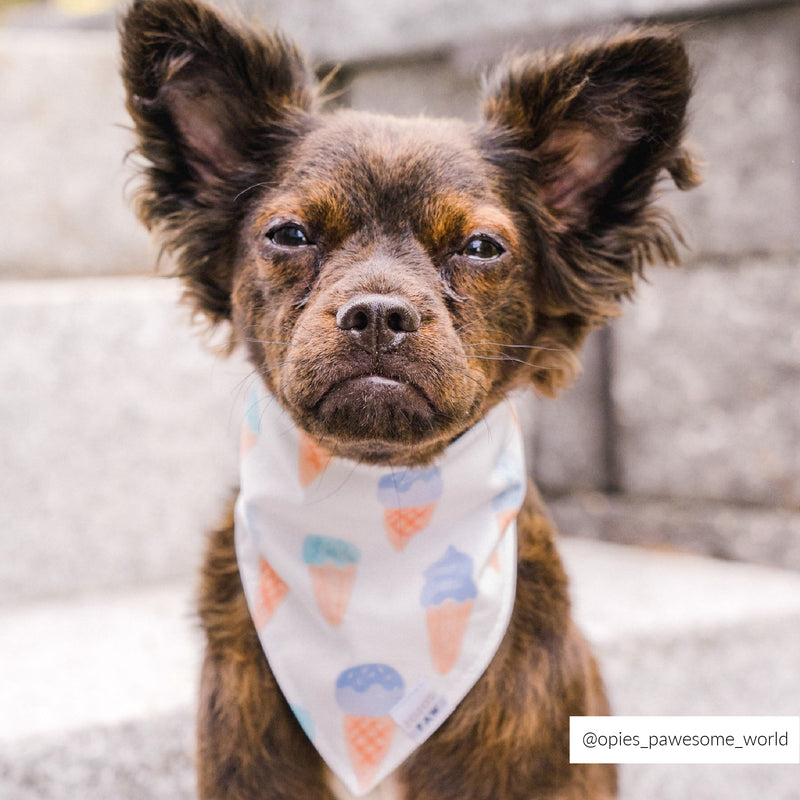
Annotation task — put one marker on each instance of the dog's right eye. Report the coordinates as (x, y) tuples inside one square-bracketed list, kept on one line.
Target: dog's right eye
[(289, 236)]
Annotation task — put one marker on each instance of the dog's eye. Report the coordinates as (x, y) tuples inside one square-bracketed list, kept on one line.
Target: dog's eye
[(289, 235), (482, 248)]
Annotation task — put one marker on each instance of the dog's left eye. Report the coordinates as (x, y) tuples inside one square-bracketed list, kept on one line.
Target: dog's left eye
[(482, 248), (289, 236)]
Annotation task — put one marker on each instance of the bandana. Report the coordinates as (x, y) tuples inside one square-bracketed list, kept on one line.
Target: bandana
[(379, 594)]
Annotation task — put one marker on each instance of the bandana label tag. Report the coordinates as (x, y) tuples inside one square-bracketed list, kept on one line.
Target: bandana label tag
[(420, 712)]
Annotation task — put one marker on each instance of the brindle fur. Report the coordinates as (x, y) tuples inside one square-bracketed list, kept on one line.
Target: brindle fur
[(561, 174)]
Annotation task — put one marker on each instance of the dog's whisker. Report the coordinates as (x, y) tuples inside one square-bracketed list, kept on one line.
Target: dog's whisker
[(512, 360), (517, 346), (269, 369), (265, 341), (474, 325)]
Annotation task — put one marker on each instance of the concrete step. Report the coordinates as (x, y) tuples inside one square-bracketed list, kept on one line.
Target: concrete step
[(753, 534), (118, 432), (104, 685), (681, 635), (97, 696), (65, 128), (97, 660)]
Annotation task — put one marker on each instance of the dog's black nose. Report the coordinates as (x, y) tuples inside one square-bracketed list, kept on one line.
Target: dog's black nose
[(378, 321)]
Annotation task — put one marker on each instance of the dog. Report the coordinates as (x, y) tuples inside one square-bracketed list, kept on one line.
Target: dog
[(392, 282)]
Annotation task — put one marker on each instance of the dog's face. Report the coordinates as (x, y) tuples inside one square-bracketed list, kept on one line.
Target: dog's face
[(393, 279), (379, 285)]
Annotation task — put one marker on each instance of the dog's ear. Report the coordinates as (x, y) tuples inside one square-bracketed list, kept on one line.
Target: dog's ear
[(581, 138), (215, 110)]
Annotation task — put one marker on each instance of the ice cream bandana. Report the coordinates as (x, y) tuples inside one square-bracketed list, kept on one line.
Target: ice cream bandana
[(380, 594)]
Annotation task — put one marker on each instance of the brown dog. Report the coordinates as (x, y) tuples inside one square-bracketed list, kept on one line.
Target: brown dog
[(392, 281)]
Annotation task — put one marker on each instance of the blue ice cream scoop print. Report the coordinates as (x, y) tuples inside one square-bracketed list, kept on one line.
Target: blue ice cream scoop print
[(409, 498), (448, 595), (366, 695)]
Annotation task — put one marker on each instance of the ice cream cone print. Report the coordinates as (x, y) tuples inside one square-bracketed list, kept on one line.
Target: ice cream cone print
[(366, 695), (332, 565), (402, 523), (303, 716), (409, 499), (446, 626), (368, 741), (504, 519), (251, 427), (509, 473), (271, 591), (313, 460), (448, 595), (332, 586), (248, 440)]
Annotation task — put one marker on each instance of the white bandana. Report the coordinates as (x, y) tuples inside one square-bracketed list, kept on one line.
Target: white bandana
[(380, 595)]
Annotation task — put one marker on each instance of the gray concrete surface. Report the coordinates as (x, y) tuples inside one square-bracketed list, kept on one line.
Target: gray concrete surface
[(119, 435), (746, 103), (353, 30), (62, 165), (97, 696), (687, 636), (97, 659), (569, 450), (707, 376), (148, 759), (752, 534)]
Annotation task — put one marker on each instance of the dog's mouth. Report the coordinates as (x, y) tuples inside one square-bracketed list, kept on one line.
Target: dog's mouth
[(374, 406)]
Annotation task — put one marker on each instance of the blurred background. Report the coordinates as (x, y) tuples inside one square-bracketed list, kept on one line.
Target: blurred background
[(671, 466)]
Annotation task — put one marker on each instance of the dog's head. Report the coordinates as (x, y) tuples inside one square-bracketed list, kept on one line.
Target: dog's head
[(393, 278)]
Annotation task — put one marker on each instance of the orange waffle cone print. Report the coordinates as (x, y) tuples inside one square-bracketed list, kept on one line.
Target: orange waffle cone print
[(271, 591), (313, 460), (448, 595), (403, 523), (332, 587), (366, 695), (446, 626), (368, 742), (409, 499), (332, 566), (504, 519)]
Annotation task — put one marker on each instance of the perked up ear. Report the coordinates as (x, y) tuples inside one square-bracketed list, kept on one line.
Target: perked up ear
[(582, 137), (215, 110)]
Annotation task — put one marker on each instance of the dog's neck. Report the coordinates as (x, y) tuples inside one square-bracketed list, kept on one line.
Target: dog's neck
[(380, 594)]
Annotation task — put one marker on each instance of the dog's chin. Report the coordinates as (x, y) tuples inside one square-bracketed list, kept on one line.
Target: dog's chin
[(375, 391), (374, 418), (374, 407)]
